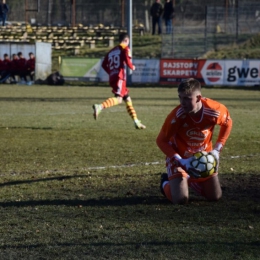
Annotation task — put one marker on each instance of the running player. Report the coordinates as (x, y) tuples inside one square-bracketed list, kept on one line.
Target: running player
[(114, 64), (187, 130)]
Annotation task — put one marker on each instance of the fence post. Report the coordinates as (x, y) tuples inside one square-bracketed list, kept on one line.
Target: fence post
[(237, 21), (206, 29), (130, 33), (73, 13)]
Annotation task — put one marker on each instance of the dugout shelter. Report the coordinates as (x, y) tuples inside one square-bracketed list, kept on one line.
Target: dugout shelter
[(42, 51)]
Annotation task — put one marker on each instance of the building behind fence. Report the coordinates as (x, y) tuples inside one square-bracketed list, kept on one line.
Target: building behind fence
[(199, 26)]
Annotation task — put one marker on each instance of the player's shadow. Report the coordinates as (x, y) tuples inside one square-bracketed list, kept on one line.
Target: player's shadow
[(135, 200), (59, 178), (136, 244), (101, 201)]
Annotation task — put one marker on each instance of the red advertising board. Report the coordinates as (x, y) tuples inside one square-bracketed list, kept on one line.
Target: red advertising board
[(173, 71)]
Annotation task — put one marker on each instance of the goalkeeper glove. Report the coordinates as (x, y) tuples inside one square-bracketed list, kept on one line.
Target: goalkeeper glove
[(215, 152), (194, 172), (185, 164), (217, 149)]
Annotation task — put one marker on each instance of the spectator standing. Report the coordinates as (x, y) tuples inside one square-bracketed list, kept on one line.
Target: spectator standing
[(156, 13), (3, 12), (168, 14)]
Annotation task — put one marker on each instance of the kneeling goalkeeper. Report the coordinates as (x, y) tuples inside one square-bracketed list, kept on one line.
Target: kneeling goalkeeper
[(189, 129)]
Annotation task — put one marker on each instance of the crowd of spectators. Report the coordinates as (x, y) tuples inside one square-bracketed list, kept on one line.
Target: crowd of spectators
[(18, 69)]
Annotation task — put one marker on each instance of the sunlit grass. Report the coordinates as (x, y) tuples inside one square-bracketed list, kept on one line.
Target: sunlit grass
[(76, 188)]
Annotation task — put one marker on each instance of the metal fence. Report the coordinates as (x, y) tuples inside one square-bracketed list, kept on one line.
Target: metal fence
[(55, 12), (220, 27), (199, 26)]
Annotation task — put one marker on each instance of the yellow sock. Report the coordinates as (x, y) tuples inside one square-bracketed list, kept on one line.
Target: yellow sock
[(131, 110), (110, 102)]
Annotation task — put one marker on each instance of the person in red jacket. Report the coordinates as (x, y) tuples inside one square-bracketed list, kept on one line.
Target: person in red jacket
[(30, 66), (21, 64), (5, 68), (14, 67), (1, 68), (1, 65), (114, 64), (6, 63)]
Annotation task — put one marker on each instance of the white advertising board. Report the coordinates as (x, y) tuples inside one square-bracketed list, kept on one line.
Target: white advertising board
[(242, 72), (231, 72), (146, 71)]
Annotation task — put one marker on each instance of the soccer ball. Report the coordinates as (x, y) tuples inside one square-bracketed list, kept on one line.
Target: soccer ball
[(205, 162)]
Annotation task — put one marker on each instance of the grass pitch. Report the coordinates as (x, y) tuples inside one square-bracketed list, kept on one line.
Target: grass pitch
[(76, 188)]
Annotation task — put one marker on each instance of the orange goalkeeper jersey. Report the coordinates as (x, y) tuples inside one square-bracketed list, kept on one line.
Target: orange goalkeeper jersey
[(183, 135)]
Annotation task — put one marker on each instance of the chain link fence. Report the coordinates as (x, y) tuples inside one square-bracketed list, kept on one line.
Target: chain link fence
[(199, 26), (217, 27), (60, 12)]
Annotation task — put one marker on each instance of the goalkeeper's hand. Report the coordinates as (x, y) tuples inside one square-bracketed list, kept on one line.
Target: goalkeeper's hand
[(183, 163), (194, 172), (215, 152)]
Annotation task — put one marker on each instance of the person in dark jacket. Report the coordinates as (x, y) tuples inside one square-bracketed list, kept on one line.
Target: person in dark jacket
[(168, 14), (156, 13), (30, 66), (21, 66), (3, 11)]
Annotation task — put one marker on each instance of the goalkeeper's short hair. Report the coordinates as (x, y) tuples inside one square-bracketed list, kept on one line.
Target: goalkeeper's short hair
[(189, 85)]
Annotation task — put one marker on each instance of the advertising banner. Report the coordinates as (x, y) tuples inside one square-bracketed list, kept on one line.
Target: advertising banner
[(80, 69), (211, 72), (242, 72), (175, 70), (146, 71), (170, 71)]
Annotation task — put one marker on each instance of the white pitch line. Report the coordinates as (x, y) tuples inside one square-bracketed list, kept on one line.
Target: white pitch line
[(129, 165), (157, 163), (123, 166)]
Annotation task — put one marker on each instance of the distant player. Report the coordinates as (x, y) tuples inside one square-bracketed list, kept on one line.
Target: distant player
[(187, 130), (114, 64)]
